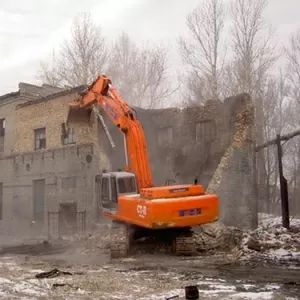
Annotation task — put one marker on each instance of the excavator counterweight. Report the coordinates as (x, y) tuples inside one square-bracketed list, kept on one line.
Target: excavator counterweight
[(129, 197)]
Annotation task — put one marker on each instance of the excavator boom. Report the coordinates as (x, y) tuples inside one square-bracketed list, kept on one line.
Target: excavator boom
[(101, 93)]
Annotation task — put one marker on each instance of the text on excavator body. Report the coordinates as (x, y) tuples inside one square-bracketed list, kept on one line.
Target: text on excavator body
[(189, 212)]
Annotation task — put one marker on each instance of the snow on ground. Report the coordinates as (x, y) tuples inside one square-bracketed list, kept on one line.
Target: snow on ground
[(17, 281), (271, 241), (269, 221)]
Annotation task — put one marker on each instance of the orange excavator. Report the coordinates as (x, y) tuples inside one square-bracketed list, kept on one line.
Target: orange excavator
[(128, 197)]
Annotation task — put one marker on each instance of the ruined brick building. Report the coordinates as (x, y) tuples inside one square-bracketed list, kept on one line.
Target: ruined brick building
[(42, 170)]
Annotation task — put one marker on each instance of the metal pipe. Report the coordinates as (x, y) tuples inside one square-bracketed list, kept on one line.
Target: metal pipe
[(108, 135), (126, 152)]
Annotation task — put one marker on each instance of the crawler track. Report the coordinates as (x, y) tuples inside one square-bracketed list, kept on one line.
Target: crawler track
[(178, 241), (119, 239)]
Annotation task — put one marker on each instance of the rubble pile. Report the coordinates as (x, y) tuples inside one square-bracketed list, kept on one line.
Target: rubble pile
[(217, 236), (271, 242), (213, 236)]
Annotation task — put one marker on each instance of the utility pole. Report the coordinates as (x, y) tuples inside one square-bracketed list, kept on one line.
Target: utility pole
[(283, 187), (283, 182)]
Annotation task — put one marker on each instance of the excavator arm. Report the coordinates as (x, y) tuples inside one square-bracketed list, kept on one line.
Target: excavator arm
[(102, 93)]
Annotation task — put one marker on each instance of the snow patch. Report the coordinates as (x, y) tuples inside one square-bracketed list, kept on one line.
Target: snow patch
[(254, 296), (30, 287)]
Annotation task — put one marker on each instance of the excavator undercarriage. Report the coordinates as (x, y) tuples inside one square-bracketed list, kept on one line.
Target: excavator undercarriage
[(127, 238)]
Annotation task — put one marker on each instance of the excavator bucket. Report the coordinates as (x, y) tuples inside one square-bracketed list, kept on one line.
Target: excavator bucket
[(78, 115)]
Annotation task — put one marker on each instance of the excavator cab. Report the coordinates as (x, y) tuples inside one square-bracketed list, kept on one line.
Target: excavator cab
[(114, 184)]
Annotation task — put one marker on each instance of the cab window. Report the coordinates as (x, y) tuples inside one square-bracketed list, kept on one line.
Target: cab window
[(126, 185)]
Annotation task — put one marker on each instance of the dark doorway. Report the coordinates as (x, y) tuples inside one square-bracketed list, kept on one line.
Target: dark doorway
[(38, 199), (68, 218)]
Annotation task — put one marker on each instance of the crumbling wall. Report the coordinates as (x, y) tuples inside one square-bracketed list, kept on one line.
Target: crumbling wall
[(233, 181), (196, 140), (202, 135)]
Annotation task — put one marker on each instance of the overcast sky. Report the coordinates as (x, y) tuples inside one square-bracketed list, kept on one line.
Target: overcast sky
[(29, 29)]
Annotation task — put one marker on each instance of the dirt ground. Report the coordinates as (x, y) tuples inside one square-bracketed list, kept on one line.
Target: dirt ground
[(141, 276)]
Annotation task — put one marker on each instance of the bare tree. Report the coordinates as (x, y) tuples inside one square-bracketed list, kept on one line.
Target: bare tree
[(48, 72), (293, 75), (202, 51), (141, 73), (293, 65), (80, 58), (253, 57), (276, 111), (254, 52), (123, 67), (194, 89)]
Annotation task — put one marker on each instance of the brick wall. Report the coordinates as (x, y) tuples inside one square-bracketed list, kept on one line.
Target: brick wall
[(8, 105), (48, 114)]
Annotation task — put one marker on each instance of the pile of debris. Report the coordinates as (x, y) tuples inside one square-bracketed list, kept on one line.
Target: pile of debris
[(217, 236), (268, 243), (208, 237), (271, 242)]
